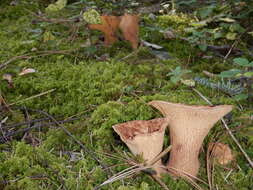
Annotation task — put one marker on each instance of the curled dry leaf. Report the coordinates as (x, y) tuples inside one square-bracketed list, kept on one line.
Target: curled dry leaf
[(168, 34), (8, 78), (27, 71), (221, 153), (130, 29), (109, 27), (128, 24), (154, 46)]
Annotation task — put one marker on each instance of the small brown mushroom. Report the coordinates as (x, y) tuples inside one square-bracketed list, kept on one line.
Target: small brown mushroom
[(188, 127), (144, 138), (221, 153)]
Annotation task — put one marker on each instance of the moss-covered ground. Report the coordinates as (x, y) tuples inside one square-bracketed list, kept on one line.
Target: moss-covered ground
[(101, 93)]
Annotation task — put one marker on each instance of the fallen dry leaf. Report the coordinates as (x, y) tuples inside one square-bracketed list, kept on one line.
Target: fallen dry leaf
[(128, 24), (168, 34), (130, 29), (148, 44), (109, 27), (221, 153), (27, 71), (8, 78)]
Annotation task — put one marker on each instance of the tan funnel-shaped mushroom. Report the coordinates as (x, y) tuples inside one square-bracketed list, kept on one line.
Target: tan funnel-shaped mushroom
[(188, 127), (144, 138)]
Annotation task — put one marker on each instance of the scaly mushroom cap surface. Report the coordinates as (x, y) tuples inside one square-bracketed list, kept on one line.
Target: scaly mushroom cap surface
[(188, 127), (144, 137)]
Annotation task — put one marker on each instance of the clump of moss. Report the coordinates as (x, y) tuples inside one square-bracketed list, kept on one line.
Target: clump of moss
[(111, 113), (178, 21), (109, 92)]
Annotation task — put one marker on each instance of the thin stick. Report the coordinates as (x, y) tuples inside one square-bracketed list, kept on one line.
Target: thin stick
[(208, 166), (39, 53), (91, 153), (159, 156), (160, 182), (32, 97), (227, 128)]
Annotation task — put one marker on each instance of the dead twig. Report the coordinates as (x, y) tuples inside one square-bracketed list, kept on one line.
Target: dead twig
[(88, 151), (8, 135), (37, 54), (136, 168), (32, 97)]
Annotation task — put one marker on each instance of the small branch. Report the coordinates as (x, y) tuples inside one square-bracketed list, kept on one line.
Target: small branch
[(91, 153), (227, 128), (37, 54), (32, 97), (7, 136), (159, 156), (160, 182)]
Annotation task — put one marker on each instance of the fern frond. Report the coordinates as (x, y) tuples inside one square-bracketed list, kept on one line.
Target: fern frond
[(224, 86)]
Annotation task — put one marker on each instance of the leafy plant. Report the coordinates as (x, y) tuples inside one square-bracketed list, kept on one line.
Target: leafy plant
[(243, 74), (177, 74)]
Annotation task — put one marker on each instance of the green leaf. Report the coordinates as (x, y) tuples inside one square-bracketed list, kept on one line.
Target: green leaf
[(199, 24), (236, 28), (202, 47), (206, 11), (248, 74), (174, 79), (217, 35), (227, 20), (241, 97), (177, 70), (230, 73), (241, 61), (231, 36)]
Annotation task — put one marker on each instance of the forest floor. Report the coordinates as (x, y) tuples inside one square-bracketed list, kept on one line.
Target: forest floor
[(62, 90)]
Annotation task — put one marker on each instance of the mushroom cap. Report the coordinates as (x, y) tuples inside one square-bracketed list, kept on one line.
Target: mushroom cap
[(188, 125), (143, 137), (134, 128), (207, 114)]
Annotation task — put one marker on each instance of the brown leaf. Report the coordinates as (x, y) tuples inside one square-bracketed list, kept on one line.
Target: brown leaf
[(169, 34), (130, 29), (8, 78), (109, 27), (221, 152)]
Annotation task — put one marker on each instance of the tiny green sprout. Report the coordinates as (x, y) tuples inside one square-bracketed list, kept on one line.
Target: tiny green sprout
[(176, 74)]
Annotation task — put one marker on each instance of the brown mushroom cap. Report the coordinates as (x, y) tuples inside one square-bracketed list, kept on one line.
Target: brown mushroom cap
[(188, 127), (144, 137)]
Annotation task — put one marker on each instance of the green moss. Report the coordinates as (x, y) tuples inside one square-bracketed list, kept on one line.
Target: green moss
[(109, 92), (179, 21)]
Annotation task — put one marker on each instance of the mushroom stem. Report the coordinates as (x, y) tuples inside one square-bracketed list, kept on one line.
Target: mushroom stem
[(188, 127), (144, 138)]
